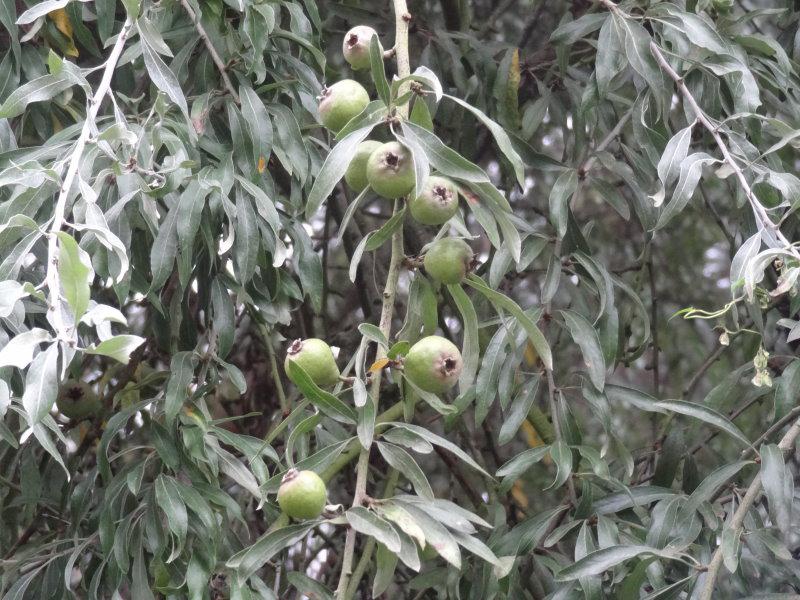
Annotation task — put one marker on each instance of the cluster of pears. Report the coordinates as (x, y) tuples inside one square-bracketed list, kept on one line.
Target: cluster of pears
[(387, 168), (432, 364)]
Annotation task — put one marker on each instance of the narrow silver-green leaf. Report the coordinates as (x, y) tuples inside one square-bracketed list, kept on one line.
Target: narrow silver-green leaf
[(534, 333), (405, 463), (597, 562), (41, 385), (500, 137), (367, 522), (560, 196), (470, 351), (587, 339), (334, 167)]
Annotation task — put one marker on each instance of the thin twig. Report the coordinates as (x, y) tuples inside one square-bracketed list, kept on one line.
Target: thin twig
[(361, 567), (531, 23), (612, 135), (498, 12), (731, 417), (65, 333), (779, 424), (718, 219), (456, 471), (551, 396), (551, 392), (211, 50), (273, 367), (707, 364), (369, 547), (737, 521)]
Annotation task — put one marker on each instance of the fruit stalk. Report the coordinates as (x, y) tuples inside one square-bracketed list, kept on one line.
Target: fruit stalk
[(402, 18)]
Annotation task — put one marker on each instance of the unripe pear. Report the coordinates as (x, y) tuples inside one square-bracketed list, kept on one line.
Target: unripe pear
[(341, 102), (448, 260), (355, 46), (77, 400), (356, 174), (390, 170), (433, 364), (302, 494), (316, 358), (437, 203)]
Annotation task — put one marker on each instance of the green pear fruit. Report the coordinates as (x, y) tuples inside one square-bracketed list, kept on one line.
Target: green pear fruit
[(316, 358), (355, 46), (437, 203), (433, 364), (302, 494), (77, 400), (390, 170), (448, 260), (341, 102), (356, 174)]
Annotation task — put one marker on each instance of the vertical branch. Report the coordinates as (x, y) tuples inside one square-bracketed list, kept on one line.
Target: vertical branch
[(737, 521), (53, 282), (402, 18)]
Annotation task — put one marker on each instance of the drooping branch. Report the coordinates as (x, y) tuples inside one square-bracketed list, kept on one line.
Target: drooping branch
[(759, 211), (63, 332)]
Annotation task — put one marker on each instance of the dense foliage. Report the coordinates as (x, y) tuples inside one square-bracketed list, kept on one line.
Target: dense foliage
[(173, 216)]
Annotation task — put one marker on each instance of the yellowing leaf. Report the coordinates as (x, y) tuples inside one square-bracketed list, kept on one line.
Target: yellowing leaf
[(84, 429), (519, 496), (531, 355), (379, 364), (534, 439), (63, 24), (512, 87), (531, 435), (262, 164)]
